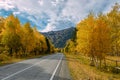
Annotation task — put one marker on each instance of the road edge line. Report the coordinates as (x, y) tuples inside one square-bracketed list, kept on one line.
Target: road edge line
[(51, 78), (20, 71)]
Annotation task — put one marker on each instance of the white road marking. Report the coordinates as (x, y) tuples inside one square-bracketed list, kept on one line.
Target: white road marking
[(31, 67), (20, 71), (16, 63), (23, 61), (56, 68)]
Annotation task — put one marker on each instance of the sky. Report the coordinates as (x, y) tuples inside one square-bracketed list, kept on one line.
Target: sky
[(52, 15)]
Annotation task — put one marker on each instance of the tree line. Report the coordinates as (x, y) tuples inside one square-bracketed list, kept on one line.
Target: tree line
[(21, 40), (97, 36)]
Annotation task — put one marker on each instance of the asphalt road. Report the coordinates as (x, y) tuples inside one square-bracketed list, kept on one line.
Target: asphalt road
[(51, 67)]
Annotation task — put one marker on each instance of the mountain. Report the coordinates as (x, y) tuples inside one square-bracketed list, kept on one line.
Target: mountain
[(59, 38)]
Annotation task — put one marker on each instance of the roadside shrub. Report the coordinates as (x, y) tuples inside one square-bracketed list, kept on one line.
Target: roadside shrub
[(4, 57), (115, 70)]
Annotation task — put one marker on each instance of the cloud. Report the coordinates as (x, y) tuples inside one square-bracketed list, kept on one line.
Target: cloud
[(40, 2), (49, 27), (16, 13), (50, 15), (79, 9), (6, 4)]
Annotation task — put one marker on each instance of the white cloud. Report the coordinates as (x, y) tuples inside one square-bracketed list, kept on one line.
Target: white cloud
[(6, 4), (79, 9), (49, 27), (56, 10), (16, 13), (40, 2)]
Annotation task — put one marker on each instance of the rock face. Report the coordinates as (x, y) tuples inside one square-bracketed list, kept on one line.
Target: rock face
[(59, 38)]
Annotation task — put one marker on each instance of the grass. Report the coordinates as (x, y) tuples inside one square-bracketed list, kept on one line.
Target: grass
[(14, 59), (114, 58), (81, 70)]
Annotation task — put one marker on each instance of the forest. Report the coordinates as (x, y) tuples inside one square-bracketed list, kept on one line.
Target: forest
[(98, 36), (17, 40)]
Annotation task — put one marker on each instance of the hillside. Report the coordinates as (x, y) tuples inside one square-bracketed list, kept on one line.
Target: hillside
[(59, 38)]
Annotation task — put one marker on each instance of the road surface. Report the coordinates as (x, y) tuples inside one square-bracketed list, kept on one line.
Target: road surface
[(51, 67)]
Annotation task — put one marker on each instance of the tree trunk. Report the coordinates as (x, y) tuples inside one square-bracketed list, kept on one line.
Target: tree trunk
[(100, 63), (105, 63), (92, 61)]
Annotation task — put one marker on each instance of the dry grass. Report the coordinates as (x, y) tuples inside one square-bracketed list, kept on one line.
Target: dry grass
[(114, 58), (80, 69), (112, 61), (14, 59)]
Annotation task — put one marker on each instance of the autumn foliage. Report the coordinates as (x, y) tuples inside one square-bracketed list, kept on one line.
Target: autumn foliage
[(21, 40), (97, 36)]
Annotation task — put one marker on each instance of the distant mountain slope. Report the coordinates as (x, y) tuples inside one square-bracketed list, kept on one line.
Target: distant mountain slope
[(59, 38)]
